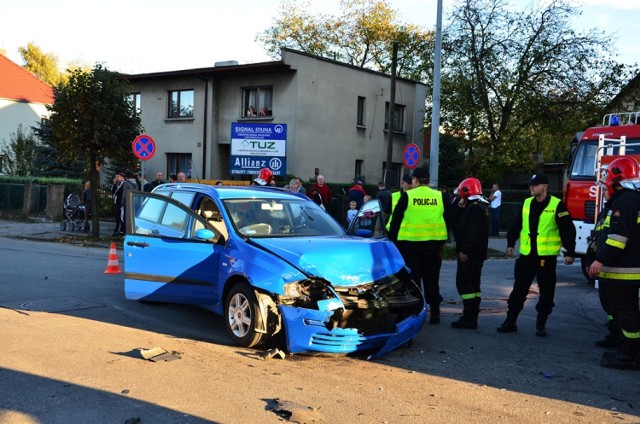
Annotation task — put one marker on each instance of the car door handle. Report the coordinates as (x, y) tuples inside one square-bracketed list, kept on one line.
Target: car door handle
[(137, 244)]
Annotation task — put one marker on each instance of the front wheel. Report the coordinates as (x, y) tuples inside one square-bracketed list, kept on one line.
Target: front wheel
[(63, 225), (242, 315)]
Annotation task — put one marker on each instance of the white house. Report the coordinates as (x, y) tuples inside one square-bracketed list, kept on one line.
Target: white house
[(335, 117), (23, 99)]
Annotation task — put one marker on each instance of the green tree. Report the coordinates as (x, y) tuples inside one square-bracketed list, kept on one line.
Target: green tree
[(93, 119), (517, 82), (46, 160), (18, 153), (41, 64), (361, 36)]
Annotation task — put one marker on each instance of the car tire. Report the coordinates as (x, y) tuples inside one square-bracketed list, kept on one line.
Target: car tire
[(242, 315)]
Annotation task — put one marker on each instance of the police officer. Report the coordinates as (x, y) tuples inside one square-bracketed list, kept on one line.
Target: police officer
[(618, 260), (543, 228), (471, 230), (419, 227)]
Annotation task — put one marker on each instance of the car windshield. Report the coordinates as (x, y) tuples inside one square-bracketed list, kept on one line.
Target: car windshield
[(280, 218)]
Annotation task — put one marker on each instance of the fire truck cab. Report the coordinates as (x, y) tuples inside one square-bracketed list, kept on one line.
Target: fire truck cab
[(597, 147)]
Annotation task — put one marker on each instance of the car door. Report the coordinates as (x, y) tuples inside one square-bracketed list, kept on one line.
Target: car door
[(369, 222), (166, 258)]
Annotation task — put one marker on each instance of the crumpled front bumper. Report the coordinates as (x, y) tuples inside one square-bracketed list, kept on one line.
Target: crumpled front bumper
[(306, 332)]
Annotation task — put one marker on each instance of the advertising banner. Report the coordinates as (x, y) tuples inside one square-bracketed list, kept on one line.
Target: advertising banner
[(258, 145)]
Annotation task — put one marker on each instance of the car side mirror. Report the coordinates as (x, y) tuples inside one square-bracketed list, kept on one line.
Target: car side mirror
[(204, 234)]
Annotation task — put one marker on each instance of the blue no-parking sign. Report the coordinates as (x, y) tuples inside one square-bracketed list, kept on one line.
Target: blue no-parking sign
[(411, 156), (143, 147)]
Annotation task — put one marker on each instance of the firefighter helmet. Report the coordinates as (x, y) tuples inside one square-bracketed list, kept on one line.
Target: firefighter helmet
[(621, 170), (469, 187), (265, 176)]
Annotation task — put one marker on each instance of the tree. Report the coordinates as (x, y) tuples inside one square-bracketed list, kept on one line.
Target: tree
[(362, 36), (43, 65), (46, 160), (521, 81), (19, 152), (93, 119)]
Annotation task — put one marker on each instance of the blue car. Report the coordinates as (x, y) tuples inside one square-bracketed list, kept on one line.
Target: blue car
[(271, 262)]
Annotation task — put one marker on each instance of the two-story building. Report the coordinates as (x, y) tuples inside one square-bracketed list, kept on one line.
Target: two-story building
[(334, 115), (23, 99)]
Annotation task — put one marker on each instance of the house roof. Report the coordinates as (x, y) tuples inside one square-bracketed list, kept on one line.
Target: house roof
[(20, 85)]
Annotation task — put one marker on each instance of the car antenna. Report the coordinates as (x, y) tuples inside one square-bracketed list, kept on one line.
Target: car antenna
[(195, 171)]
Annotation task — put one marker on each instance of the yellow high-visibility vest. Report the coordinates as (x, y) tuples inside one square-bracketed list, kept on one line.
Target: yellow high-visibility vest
[(424, 218), (548, 239)]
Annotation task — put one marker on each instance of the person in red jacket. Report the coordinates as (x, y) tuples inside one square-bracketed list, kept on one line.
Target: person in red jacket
[(357, 193), (322, 189)]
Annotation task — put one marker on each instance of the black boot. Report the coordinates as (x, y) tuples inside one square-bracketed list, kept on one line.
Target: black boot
[(611, 339), (541, 322), (509, 324), (469, 318), (627, 357), (465, 322), (434, 318)]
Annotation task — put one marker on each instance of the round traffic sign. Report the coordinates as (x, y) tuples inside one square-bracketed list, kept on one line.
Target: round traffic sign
[(143, 147), (411, 156)]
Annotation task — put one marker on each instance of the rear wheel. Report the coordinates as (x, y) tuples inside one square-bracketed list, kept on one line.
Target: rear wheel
[(242, 316), (63, 225)]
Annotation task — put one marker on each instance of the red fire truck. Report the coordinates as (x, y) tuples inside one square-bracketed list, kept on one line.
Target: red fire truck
[(598, 146)]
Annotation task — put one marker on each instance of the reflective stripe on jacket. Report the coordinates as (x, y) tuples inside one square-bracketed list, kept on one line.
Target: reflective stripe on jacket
[(424, 218), (395, 196), (548, 237)]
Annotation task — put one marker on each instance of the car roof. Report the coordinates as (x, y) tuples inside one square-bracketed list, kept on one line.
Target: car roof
[(233, 192)]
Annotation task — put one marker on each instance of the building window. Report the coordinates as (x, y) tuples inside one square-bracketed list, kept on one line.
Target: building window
[(134, 99), (361, 111), (181, 104), (398, 117), (358, 170), (179, 162), (257, 102), (393, 177)]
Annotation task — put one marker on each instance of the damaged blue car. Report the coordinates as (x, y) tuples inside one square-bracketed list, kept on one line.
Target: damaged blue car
[(272, 262)]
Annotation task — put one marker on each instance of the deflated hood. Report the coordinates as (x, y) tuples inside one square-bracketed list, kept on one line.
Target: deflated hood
[(346, 261)]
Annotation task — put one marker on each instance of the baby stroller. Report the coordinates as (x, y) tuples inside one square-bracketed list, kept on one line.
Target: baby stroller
[(74, 211)]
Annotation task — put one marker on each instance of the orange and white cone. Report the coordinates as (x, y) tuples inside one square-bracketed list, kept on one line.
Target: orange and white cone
[(112, 264)]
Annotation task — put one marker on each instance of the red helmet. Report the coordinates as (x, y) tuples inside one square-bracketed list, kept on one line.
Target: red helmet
[(469, 187), (619, 170), (265, 176)]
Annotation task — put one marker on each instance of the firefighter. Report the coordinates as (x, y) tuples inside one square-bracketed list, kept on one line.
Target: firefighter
[(618, 260), (543, 227), (265, 178), (419, 228), (598, 237), (471, 231)]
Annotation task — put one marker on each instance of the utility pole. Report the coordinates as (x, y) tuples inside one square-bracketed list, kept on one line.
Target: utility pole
[(434, 154), (392, 106)]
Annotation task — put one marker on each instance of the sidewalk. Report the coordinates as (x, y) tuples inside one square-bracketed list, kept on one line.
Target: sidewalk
[(46, 230)]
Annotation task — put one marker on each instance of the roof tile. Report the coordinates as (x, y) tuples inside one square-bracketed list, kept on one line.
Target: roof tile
[(18, 84)]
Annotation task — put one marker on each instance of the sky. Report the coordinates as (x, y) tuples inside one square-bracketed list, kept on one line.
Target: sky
[(143, 36)]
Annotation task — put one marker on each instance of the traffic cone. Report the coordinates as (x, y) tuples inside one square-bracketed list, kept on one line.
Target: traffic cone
[(112, 264)]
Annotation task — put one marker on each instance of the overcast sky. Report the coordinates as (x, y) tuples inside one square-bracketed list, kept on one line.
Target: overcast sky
[(140, 36)]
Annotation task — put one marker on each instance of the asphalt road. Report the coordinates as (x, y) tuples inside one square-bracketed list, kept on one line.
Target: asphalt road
[(71, 353)]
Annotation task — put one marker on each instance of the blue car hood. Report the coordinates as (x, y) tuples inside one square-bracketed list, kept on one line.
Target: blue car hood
[(346, 261)]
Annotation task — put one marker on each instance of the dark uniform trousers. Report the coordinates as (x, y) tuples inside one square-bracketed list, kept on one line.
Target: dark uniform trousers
[(468, 275), (424, 258), (623, 305), (543, 269)]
